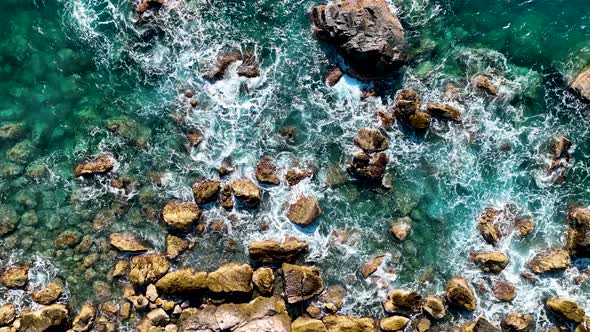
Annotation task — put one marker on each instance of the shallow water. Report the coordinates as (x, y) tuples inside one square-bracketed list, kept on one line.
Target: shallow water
[(71, 69)]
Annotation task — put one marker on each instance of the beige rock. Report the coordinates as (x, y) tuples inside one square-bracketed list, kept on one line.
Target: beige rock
[(550, 260), (175, 246), (125, 310), (444, 111), (459, 293), (301, 283), (263, 279), (434, 307), (581, 84), (127, 242), (304, 211), (49, 294), (400, 231), (7, 314), (492, 261), (578, 233), (566, 309), (231, 278), (516, 321), (371, 140), (148, 268), (340, 323), (151, 293), (488, 227), (181, 215), (246, 191), (120, 269), (333, 298), (158, 317), (407, 110), (295, 175), (51, 317), (15, 276), (101, 164), (401, 300), (394, 323), (483, 82), (274, 252), (182, 281), (206, 191), (305, 324), (370, 267), (524, 226), (226, 199), (266, 172)]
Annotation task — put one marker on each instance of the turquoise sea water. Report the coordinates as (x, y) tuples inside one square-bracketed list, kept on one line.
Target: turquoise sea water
[(70, 70)]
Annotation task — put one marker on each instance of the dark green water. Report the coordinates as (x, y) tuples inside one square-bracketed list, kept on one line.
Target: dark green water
[(69, 70)]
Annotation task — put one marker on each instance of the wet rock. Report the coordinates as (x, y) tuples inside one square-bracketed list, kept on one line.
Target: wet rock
[(407, 110), (8, 220), (263, 279), (333, 298), (101, 164), (289, 134), (147, 268), (402, 301), (120, 269), (295, 175), (266, 172), (443, 111), (550, 260), (50, 318), (231, 278), (248, 68), (566, 309), (130, 130), (206, 191), (301, 282), (182, 281), (584, 326), (49, 294), (127, 242), (400, 230), (369, 36), (158, 317), (340, 323), (15, 276), (67, 239), (488, 226), (145, 5), (370, 167), (11, 131), (581, 84), (334, 77), (176, 245), (246, 191), (524, 226), (306, 324), (516, 321), (493, 261), (434, 307), (394, 323), (560, 159), (181, 215), (460, 294), (370, 267), (578, 233), (483, 325), (422, 325), (504, 291), (195, 137), (371, 140), (226, 199), (304, 211), (386, 119), (21, 152), (277, 252), (483, 82), (7, 314)]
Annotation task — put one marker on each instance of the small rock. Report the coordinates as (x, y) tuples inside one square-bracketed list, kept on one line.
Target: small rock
[(435, 307), (504, 291), (402, 301), (226, 199), (266, 172), (67, 239), (158, 317), (120, 269), (182, 281), (246, 191), (566, 309), (581, 84), (127, 243), (231, 278), (341, 323), (125, 310), (334, 77), (49, 294), (15, 276), (493, 261), (444, 111), (8, 220), (277, 252), (148, 268), (394, 323), (524, 226), (206, 191), (301, 283), (460, 294), (370, 267), (109, 308), (483, 325), (194, 136), (176, 245), (550, 260), (407, 110), (516, 321), (483, 82), (422, 325), (181, 215), (306, 324), (400, 230), (7, 314), (263, 279), (295, 175), (151, 293), (333, 298), (304, 211), (369, 167), (488, 226), (99, 165), (578, 233), (371, 140)]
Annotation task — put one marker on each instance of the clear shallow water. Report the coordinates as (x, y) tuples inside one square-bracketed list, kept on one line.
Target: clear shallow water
[(71, 69)]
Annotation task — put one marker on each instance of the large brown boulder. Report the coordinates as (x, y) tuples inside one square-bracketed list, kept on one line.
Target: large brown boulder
[(444, 111), (516, 321), (489, 226), (394, 323), (182, 281), (51, 293), (246, 191), (460, 294), (99, 165), (231, 278), (581, 84), (341, 323), (493, 261), (369, 36), (148, 268), (550, 260), (371, 140), (434, 307), (50, 318), (15, 276), (402, 301), (301, 282), (407, 110), (127, 242), (181, 215), (266, 172), (368, 166), (566, 309), (277, 252), (578, 233), (85, 319), (304, 211), (206, 191), (504, 291), (7, 314)]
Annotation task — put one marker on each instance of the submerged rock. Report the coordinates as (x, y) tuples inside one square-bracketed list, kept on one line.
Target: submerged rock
[(581, 84), (400, 230), (22, 152), (84, 321), (67, 239), (266, 172), (483, 82), (147, 268), (206, 191), (407, 110), (127, 242), (176, 245), (443, 111), (49, 294), (181, 215), (15, 276), (184, 281), (145, 5), (231, 278), (434, 307), (11, 131), (246, 191), (369, 167), (550, 260), (402, 301), (368, 35), (371, 140), (304, 211), (578, 233), (340, 323), (101, 164), (566, 309), (295, 175), (493, 261), (301, 282), (460, 294), (516, 321), (394, 323), (8, 219), (50, 318), (277, 252)]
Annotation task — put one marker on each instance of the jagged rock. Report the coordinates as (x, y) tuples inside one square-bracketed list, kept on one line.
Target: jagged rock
[(50, 318), (400, 230), (176, 245), (550, 260), (370, 267), (516, 321), (524, 226), (340, 323), (407, 110), (301, 282), (402, 301), (261, 314), (181, 215), (99, 165), (304, 211), (7, 314), (443, 111), (371, 140), (246, 191), (49, 294), (560, 159), (333, 298), (369, 36), (422, 325), (147, 268), (581, 84), (22, 152), (483, 82), (264, 279), (493, 261), (306, 324), (226, 199), (504, 291), (367, 166), (578, 233), (231, 278), (195, 137), (266, 172), (11, 131), (334, 77), (120, 269), (151, 292), (248, 68), (583, 326), (206, 191), (566, 309), (295, 175), (277, 252), (145, 5), (488, 226), (483, 325), (67, 239), (394, 323), (460, 294), (127, 243), (435, 307), (15, 276), (158, 317), (182, 281)]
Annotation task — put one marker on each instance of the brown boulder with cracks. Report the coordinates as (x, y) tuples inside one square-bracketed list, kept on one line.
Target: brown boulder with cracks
[(301, 282)]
